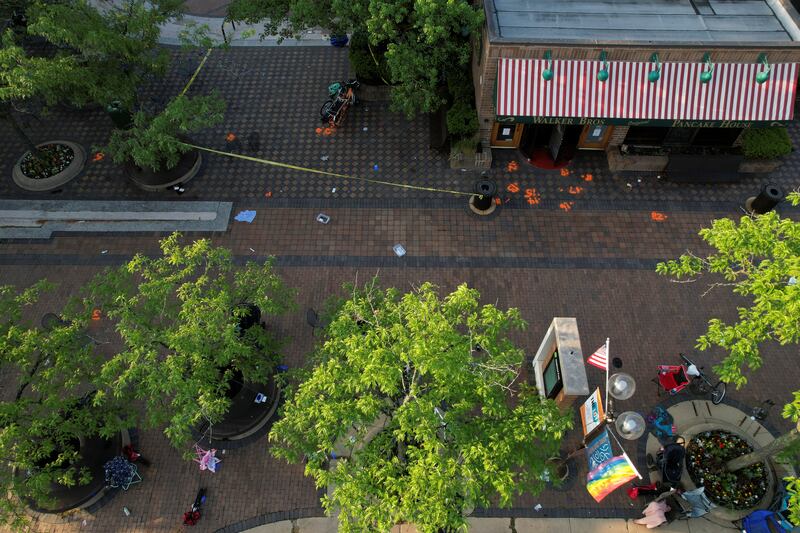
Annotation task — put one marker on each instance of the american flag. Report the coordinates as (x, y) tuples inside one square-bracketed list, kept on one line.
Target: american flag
[(599, 358)]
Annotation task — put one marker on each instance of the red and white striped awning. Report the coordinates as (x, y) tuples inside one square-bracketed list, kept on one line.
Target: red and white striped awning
[(574, 91)]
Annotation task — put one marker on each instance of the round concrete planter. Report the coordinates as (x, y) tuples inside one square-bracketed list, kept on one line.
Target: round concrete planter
[(187, 168), (53, 182), (95, 451)]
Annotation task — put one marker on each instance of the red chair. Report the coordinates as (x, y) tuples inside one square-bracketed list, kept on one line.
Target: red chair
[(672, 378)]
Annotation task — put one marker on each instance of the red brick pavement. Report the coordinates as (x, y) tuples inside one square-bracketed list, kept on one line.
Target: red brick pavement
[(648, 318)]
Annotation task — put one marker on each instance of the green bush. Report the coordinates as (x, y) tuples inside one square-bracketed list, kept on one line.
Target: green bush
[(766, 143), (459, 84), (462, 120), (362, 62)]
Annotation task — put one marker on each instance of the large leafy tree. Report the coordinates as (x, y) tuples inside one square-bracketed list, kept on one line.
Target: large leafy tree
[(427, 397), (759, 259), (425, 40), (179, 316), (45, 405)]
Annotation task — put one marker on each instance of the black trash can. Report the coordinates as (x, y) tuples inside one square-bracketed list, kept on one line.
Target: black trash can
[(770, 196), (121, 117), (485, 191)]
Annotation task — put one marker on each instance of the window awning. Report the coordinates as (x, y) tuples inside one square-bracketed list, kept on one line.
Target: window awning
[(574, 91)]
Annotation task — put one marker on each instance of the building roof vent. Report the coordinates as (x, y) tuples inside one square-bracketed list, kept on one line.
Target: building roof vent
[(702, 7)]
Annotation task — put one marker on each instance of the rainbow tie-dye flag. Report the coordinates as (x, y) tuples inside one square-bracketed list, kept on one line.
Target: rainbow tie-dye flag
[(609, 476)]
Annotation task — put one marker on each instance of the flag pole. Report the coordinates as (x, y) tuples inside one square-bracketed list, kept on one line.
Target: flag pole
[(608, 360)]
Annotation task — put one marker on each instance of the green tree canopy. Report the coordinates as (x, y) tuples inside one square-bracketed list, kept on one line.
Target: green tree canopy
[(179, 318), (155, 141), (43, 405), (426, 394), (757, 257), (425, 40)]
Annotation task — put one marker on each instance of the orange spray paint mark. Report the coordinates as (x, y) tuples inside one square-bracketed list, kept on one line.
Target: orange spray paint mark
[(587, 177), (318, 131), (512, 187), (327, 131), (574, 189), (230, 137), (96, 314), (99, 156), (532, 197), (512, 166), (655, 216), (566, 206), (565, 172)]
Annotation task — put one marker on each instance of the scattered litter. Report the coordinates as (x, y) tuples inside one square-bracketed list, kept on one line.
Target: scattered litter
[(658, 177), (497, 200), (508, 199), (178, 189), (252, 250), (230, 137), (658, 217), (245, 216), (399, 250), (103, 251), (333, 190), (325, 157), (99, 156), (83, 523), (630, 186), (126, 511), (322, 218), (268, 194), (638, 180), (223, 452), (537, 507), (365, 128), (260, 398), (375, 167), (95, 314)]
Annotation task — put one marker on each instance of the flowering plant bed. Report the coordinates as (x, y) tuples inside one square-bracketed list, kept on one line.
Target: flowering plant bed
[(706, 457), (52, 159)]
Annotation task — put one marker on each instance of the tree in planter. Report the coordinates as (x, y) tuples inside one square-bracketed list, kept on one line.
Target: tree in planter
[(760, 259), (178, 316), (424, 41), (426, 393), (43, 407), (154, 142)]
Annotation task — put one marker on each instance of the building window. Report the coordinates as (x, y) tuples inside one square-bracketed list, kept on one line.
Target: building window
[(716, 136), (646, 135), (552, 377)]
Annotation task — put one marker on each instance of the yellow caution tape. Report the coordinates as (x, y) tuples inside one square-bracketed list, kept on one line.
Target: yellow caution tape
[(196, 72), (326, 173)]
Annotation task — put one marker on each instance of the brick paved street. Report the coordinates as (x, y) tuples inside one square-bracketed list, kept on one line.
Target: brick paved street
[(594, 265), (592, 259)]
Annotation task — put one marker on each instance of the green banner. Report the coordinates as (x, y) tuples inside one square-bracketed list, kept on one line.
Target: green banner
[(581, 121)]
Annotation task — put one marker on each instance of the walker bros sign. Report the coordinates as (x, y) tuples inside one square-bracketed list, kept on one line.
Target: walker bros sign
[(584, 121)]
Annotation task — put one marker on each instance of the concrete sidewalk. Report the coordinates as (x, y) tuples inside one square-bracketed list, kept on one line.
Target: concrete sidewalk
[(514, 525)]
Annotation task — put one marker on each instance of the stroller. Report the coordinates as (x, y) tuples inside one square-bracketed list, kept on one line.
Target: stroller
[(669, 461)]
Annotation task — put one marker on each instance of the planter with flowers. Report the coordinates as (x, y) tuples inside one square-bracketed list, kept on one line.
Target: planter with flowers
[(706, 458), (50, 166)]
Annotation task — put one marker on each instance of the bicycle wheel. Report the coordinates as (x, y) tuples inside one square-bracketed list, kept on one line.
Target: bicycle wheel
[(325, 111), (718, 393)]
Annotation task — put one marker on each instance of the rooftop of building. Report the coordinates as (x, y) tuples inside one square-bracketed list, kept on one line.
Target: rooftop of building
[(724, 22)]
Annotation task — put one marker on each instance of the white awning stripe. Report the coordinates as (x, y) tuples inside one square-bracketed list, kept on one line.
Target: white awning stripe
[(732, 94)]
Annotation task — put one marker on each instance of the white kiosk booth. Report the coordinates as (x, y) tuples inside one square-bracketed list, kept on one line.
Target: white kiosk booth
[(558, 365)]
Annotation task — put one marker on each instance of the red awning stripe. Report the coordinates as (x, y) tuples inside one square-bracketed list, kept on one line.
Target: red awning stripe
[(574, 91)]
